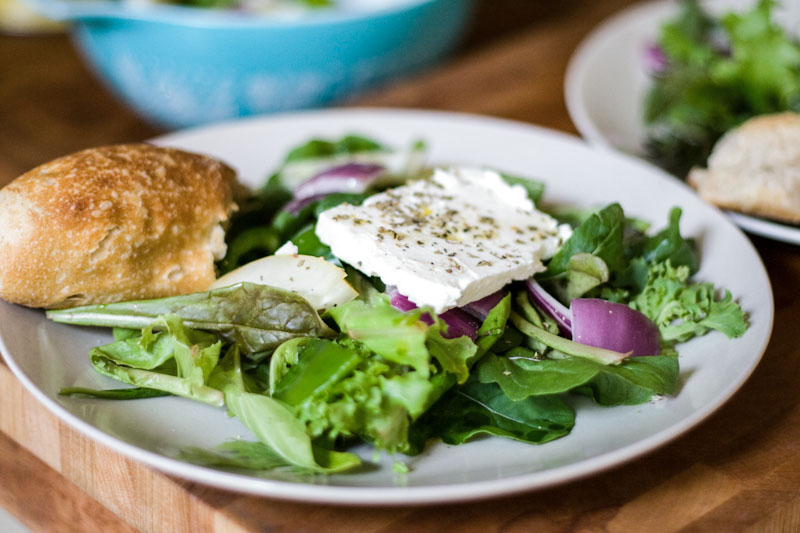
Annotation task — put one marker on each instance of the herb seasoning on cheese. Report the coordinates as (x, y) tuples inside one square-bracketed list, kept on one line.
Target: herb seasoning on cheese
[(447, 240)]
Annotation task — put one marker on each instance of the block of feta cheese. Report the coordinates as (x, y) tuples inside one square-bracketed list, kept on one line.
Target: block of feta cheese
[(446, 240)]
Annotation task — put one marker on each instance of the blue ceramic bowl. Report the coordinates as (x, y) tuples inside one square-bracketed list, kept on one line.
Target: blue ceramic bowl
[(180, 66)]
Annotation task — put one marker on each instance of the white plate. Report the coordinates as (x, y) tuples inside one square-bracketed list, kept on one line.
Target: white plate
[(47, 356), (606, 83)]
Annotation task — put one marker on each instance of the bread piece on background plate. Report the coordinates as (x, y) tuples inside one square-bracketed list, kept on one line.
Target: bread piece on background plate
[(113, 223), (755, 169)]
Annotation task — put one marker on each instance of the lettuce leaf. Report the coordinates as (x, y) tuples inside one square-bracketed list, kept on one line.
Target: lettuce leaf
[(273, 422), (718, 73), (176, 360), (683, 310)]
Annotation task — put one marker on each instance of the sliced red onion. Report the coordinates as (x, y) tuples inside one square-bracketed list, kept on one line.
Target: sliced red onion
[(398, 300), (655, 60), (613, 326), (459, 322), (296, 205), (480, 308), (550, 305), (349, 178)]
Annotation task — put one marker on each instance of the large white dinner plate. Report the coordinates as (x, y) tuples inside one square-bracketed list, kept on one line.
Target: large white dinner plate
[(606, 83), (47, 356)]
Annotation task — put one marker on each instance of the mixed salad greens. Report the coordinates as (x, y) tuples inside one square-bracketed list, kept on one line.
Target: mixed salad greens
[(282, 7), (256, 6), (711, 74), (309, 380)]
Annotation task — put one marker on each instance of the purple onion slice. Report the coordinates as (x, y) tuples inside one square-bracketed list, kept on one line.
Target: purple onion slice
[(550, 305), (480, 308), (613, 326), (459, 322), (347, 178)]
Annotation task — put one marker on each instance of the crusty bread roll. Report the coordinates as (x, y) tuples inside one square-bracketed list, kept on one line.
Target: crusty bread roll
[(755, 169), (113, 223)]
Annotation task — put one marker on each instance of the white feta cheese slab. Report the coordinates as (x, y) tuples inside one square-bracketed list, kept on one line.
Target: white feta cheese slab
[(447, 240)]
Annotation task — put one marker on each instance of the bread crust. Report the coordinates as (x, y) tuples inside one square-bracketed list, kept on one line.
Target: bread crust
[(755, 169), (114, 223)]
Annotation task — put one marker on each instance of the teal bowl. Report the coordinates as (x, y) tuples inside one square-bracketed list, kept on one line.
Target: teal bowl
[(180, 66)]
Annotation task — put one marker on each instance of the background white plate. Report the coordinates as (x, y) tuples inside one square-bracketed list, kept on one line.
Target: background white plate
[(606, 83), (47, 356)]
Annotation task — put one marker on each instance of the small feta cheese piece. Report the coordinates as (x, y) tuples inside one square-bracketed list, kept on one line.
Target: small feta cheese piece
[(445, 241), (287, 248)]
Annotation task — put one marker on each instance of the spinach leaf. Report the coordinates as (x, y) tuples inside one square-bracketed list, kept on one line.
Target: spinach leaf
[(634, 381), (236, 454), (320, 148), (669, 245), (600, 234), (256, 317), (482, 408), (534, 189)]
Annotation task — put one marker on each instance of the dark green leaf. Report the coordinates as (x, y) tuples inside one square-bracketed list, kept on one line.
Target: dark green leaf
[(535, 189), (320, 363), (255, 317), (482, 408), (634, 381), (600, 234), (134, 393)]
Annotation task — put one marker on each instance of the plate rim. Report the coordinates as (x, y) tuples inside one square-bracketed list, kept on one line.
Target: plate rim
[(411, 495), (575, 80)]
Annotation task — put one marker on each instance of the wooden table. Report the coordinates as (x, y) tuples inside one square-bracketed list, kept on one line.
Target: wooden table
[(740, 470)]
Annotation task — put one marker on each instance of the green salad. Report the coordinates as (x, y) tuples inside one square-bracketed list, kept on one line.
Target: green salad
[(255, 6), (314, 354), (711, 74)]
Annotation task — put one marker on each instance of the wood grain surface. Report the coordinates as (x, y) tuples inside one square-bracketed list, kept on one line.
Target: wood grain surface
[(738, 471)]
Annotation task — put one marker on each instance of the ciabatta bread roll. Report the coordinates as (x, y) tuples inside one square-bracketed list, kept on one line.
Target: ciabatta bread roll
[(755, 169), (113, 223)]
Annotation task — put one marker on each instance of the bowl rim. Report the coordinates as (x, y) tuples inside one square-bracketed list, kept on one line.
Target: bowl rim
[(86, 11)]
